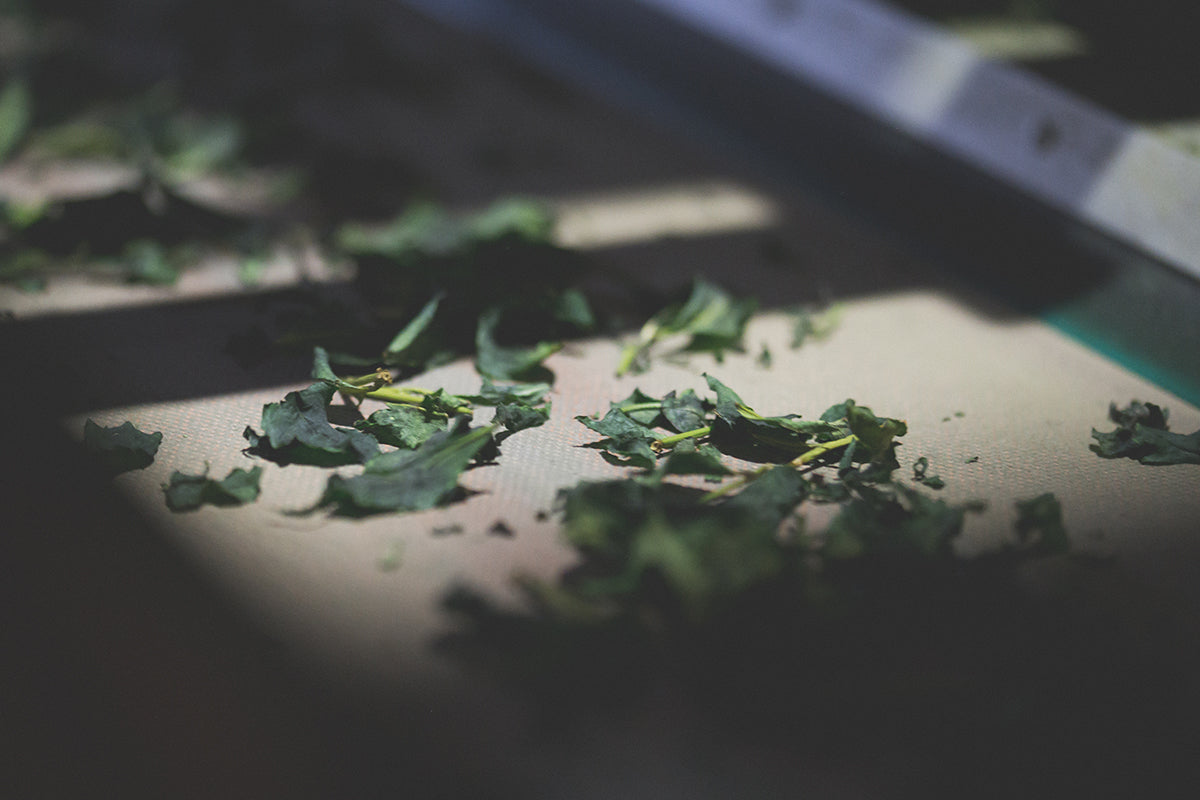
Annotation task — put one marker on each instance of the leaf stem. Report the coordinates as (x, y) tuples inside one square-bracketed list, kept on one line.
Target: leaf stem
[(746, 477), (406, 397), (821, 449), (748, 412), (378, 378), (649, 405), (668, 442), (735, 484)]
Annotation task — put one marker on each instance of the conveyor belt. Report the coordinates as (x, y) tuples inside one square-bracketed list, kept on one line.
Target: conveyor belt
[(252, 650)]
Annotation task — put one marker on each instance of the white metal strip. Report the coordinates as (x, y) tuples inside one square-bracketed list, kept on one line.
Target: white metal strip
[(910, 74)]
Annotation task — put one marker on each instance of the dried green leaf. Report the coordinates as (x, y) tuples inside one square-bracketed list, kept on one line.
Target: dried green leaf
[(687, 458), (571, 306), (16, 113), (1040, 526), (406, 427), (626, 441), (875, 433), (1142, 434), (408, 480), (191, 145), (921, 474), (297, 430), (894, 521), (744, 433), (684, 412), (405, 348), (518, 417), (811, 323), (500, 362), (714, 319), (640, 407), (492, 394), (425, 230), (511, 217), (148, 261), (25, 267), (634, 534), (188, 492), (121, 448)]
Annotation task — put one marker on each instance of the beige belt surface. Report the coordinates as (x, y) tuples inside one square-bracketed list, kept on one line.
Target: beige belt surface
[(1001, 406)]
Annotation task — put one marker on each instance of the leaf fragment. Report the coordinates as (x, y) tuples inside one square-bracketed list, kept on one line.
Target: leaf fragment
[(426, 230), (689, 459), (147, 261), (812, 323), (1039, 525), (518, 416), (684, 412), (297, 431), (921, 474), (635, 533), (1142, 434), (895, 521), (626, 441), (507, 362), (186, 492), (406, 427), (714, 320), (496, 394), (408, 480), (16, 113), (121, 448), (405, 347)]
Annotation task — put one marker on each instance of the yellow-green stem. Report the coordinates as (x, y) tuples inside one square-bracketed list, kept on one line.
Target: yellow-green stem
[(650, 405), (735, 484), (804, 458), (668, 442), (371, 378), (408, 397), (821, 450)]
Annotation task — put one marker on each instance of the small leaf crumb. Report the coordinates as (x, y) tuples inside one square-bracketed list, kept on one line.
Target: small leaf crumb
[(393, 558)]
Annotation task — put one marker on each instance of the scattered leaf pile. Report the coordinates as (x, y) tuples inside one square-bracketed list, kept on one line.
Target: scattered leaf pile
[(647, 540), (412, 451), (157, 185), (491, 284), (1142, 434)]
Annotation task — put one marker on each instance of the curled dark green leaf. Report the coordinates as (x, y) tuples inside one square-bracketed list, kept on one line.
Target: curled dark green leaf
[(507, 362), (188, 492), (714, 319), (297, 430), (409, 480), (121, 448), (1143, 435)]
